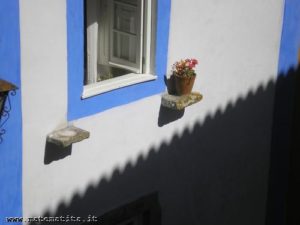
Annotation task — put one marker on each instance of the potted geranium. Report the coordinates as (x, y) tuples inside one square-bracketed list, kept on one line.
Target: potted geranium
[(184, 74)]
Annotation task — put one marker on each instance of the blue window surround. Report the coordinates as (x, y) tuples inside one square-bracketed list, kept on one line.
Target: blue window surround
[(78, 107)]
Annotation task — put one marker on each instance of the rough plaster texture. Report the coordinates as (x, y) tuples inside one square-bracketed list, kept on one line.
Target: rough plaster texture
[(236, 42)]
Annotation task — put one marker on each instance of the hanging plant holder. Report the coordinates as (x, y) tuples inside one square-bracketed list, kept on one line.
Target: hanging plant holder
[(6, 89)]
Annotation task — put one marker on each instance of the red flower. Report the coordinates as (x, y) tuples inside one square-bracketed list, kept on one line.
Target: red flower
[(185, 67), (195, 61)]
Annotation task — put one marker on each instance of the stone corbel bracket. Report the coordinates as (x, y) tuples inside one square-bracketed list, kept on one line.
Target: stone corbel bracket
[(180, 102), (67, 136)]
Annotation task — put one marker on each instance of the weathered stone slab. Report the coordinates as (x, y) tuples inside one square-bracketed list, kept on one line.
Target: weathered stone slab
[(180, 102), (67, 136)]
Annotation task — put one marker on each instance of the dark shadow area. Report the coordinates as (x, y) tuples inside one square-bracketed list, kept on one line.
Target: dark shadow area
[(145, 210), (293, 197), (167, 115), (285, 146), (217, 174), (54, 152)]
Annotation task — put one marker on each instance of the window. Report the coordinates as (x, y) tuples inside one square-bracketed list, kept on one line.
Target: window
[(154, 62), (119, 44)]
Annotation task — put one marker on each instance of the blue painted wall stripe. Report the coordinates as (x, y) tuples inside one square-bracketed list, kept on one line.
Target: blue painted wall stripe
[(290, 39), (11, 147), (77, 107)]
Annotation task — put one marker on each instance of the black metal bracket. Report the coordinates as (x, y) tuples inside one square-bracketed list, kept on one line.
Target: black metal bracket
[(6, 89)]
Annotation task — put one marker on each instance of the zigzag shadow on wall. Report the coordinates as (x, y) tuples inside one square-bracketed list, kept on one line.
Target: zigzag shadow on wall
[(218, 173)]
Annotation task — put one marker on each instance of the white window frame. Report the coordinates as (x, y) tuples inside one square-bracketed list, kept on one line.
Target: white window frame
[(145, 73)]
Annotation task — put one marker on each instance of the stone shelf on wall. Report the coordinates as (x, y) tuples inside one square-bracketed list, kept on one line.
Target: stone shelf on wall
[(180, 102), (67, 136)]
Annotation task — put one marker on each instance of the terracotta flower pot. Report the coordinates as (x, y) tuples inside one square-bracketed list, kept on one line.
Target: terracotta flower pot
[(184, 85)]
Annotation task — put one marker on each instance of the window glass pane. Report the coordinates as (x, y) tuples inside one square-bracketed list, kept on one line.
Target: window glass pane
[(106, 72), (131, 2), (125, 18), (125, 46)]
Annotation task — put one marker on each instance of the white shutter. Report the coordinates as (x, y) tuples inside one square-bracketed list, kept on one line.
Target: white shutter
[(126, 34)]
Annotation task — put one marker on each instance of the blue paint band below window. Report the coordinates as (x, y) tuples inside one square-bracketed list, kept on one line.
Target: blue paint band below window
[(77, 107)]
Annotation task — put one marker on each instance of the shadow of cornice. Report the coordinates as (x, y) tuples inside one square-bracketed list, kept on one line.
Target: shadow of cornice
[(222, 171)]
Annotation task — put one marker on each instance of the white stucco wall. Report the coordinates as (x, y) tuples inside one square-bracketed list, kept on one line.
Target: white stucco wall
[(44, 91), (236, 42)]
